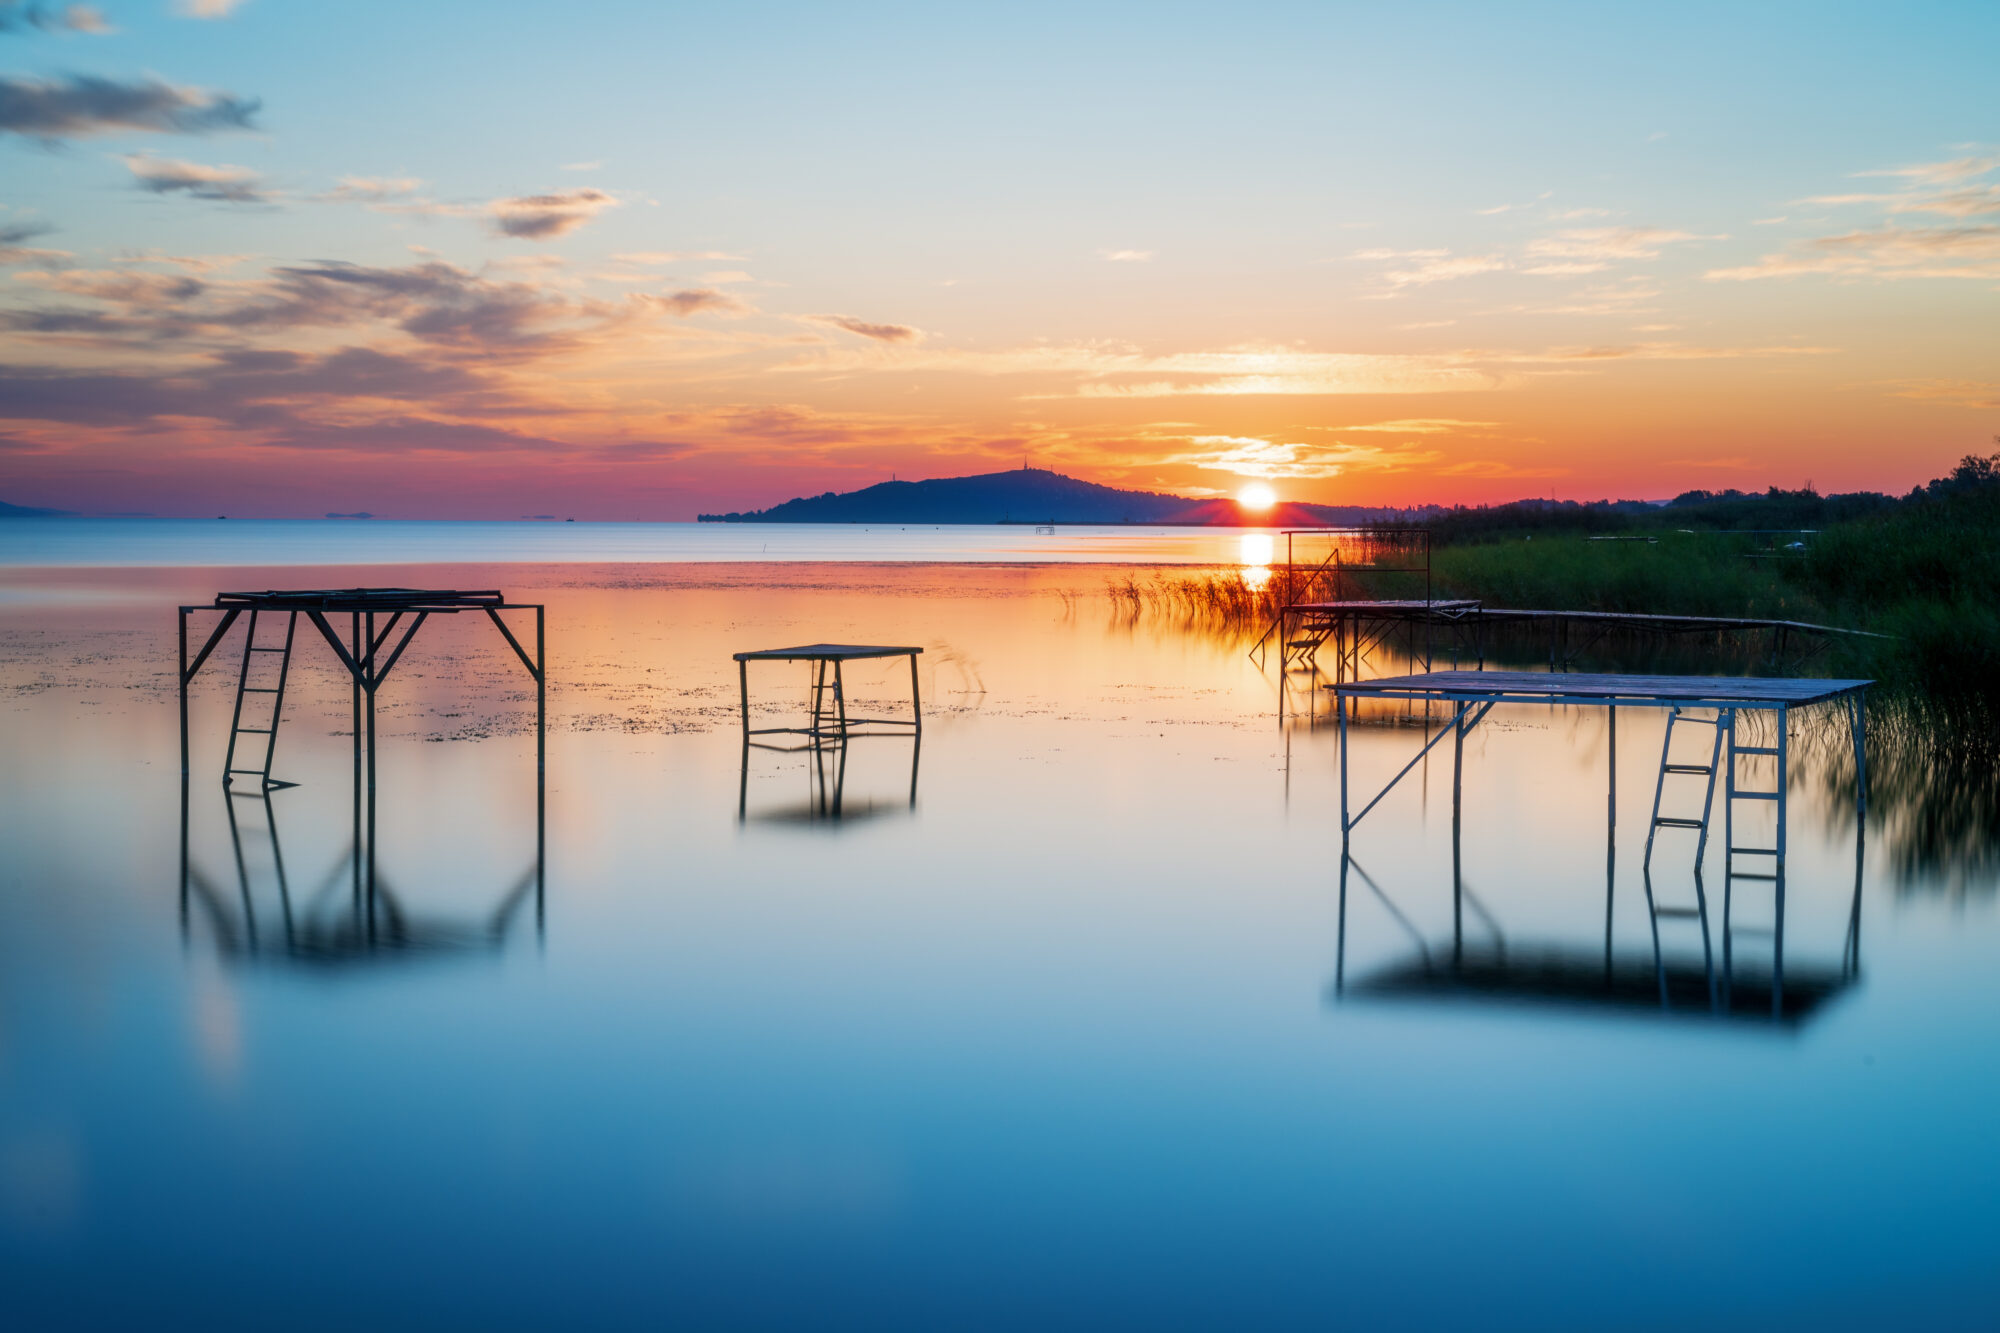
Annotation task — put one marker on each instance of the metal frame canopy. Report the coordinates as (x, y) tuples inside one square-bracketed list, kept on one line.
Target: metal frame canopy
[(368, 666), (1475, 694), (829, 722)]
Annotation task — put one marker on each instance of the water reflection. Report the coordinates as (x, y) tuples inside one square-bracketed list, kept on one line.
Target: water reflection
[(826, 799), (353, 912), (1682, 975)]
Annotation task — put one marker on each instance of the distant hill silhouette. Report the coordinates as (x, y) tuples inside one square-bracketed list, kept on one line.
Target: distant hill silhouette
[(1036, 495), (29, 511)]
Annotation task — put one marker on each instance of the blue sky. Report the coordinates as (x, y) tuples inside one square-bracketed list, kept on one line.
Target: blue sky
[(1488, 208)]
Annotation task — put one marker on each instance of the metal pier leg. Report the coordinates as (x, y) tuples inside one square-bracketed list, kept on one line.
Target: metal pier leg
[(541, 702), (541, 781), (1610, 839), (368, 688), (354, 645), (1784, 744), (1860, 725), (1457, 875), (743, 684), (1611, 791), (1340, 705), (1457, 765), (183, 673), (917, 702), (1729, 809), (1340, 946)]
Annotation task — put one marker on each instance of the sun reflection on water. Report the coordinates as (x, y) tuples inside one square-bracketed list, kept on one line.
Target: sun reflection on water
[(1255, 553)]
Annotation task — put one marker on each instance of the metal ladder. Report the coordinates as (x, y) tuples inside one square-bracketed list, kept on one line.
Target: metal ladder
[(251, 651), (1720, 722), (1775, 876)]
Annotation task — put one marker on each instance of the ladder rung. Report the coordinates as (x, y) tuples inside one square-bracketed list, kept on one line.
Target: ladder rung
[(1755, 749), (1753, 796), (257, 689), (1664, 821), (1750, 874), (1755, 851), (1686, 768), (255, 731), (254, 772), (1676, 911), (1694, 721), (267, 650)]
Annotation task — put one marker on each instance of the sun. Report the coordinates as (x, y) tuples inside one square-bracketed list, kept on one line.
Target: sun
[(1256, 496)]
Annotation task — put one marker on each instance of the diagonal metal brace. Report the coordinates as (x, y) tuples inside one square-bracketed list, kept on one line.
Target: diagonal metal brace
[(1462, 722), (515, 644), (228, 619)]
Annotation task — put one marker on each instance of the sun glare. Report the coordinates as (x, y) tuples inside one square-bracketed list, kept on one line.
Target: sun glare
[(1256, 495)]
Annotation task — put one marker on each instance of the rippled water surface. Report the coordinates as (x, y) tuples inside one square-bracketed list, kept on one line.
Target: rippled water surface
[(1066, 1018)]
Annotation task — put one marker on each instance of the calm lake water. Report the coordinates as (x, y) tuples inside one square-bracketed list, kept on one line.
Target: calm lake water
[(1064, 1021), (211, 542)]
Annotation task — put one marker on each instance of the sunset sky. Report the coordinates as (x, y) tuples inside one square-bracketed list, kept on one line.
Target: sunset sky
[(637, 260)]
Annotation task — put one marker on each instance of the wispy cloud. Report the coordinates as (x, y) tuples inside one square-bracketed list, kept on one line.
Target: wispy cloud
[(543, 217), (1420, 268), (1891, 252), (1416, 426), (1981, 394), (1592, 249), (12, 251), (661, 258), (1126, 256), (580, 166), (697, 301), (223, 184), (898, 334), (53, 18), (372, 190), (79, 105), (206, 9)]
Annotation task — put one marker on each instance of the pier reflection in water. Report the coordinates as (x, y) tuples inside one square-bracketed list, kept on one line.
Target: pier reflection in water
[(1747, 977), (826, 799), (351, 911)]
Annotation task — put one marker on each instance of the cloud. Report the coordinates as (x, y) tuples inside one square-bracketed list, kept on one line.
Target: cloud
[(697, 301), (206, 9), (371, 190), (1982, 394), (12, 251), (580, 166), (1598, 245), (79, 105), (166, 175), (543, 217), (1420, 268), (861, 328), (659, 258), (407, 435), (1939, 173), (1889, 252), (1281, 460), (68, 18), (1126, 256), (1417, 426)]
